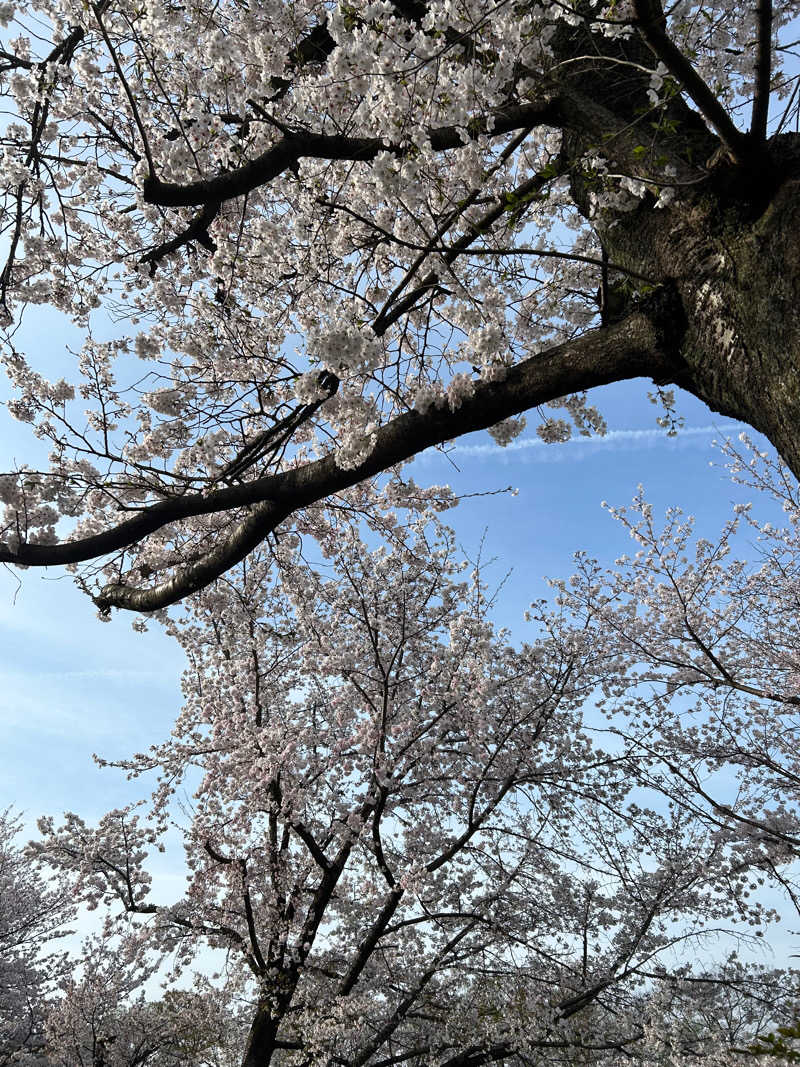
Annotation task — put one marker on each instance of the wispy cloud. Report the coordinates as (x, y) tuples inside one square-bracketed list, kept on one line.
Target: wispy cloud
[(116, 674), (80, 705), (533, 449)]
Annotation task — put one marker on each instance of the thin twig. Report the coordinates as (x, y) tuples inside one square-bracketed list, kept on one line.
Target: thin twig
[(128, 92)]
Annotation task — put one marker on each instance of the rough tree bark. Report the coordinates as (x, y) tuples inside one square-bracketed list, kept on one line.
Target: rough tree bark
[(727, 245)]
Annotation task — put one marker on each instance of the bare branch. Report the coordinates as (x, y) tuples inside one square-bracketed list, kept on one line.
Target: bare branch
[(760, 114), (98, 10), (652, 26)]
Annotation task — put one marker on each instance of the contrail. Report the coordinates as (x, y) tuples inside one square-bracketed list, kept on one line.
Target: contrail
[(548, 452)]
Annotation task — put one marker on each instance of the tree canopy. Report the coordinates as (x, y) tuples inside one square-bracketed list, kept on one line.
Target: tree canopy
[(304, 242), (332, 236), (32, 917), (410, 841)]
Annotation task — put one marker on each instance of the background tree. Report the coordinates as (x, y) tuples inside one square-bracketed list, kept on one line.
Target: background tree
[(33, 911), (104, 1017), (405, 838), (337, 235), (700, 667)]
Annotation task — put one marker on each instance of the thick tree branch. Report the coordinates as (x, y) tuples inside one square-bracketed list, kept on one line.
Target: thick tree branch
[(628, 350), (287, 152), (310, 842), (643, 345), (252, 932), (216, 855), (652, 26), (476, 1056), (195, 232), (367, 946)]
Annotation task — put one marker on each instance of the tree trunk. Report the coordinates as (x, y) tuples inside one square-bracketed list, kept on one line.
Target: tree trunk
[(260, 1044), (732, 255), (728, 242), (743, 342)]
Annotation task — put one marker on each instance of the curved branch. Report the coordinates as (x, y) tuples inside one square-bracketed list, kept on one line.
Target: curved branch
[(195, 232), (286, 153), (645, 344)]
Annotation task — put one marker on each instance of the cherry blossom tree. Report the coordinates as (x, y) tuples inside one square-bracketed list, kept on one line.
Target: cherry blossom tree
[(32, 916), (701, 668), (103, 1017), (334, 235), (405, 837)]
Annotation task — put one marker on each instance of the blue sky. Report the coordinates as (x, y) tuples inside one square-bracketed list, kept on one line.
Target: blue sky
[(560, 488), (71, 685)]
